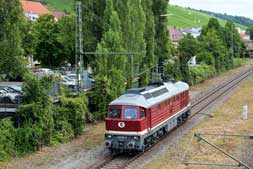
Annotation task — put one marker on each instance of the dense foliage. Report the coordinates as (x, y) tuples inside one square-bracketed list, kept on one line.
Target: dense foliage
[(12, 62), (215, 51), (127, 26), (39, 122)]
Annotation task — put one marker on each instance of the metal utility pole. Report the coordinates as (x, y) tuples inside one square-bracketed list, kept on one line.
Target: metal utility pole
[(79, 47)]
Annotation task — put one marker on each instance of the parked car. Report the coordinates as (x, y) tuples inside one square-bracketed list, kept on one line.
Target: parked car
[(10, 95), (67, 81), (72, 76), (42, 71)]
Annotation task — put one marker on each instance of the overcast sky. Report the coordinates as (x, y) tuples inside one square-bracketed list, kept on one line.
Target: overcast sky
[(232, 7)]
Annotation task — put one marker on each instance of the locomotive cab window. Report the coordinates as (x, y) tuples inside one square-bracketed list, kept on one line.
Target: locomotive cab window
[(114, 113), (130, 113), (142, 114)]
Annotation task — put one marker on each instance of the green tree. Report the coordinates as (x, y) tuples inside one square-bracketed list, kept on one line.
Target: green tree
[(250, 32), (29, 39), (149, 60), (12, 62), (110, 71), (66, 37), (233, 40), (212, 44), (49, 49), (36, 115), (188, 47), (92, 26), (214, 25), (172, 69), (162, 34), (133, 22)]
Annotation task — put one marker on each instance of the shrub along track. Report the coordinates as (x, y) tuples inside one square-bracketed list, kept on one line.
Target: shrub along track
[(199, 105)]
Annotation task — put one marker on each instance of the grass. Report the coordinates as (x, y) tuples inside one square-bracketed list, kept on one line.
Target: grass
[(227, 118), (61, 5), (94, 135), (187, 18)]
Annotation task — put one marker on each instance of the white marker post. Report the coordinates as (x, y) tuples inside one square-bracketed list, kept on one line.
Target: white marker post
[(245, 112)]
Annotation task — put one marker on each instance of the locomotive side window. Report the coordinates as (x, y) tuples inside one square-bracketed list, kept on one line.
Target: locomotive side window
[(143, 114), (114, 113), (130, 113), (158, 107), (166, 102)]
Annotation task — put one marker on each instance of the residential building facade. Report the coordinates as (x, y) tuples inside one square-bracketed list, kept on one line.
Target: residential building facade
[(33, 10)]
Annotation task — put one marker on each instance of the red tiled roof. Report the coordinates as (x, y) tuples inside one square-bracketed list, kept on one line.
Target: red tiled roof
[(244, 36), (58, 14), (34, 7)]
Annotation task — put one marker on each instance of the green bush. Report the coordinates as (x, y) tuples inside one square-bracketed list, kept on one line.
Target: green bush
[(72, 111), (28, 139), (200, 73), (239, 61), (62, 132), (7, 140)]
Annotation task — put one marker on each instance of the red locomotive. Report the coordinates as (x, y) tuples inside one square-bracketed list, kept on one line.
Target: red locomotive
[(141, 116)]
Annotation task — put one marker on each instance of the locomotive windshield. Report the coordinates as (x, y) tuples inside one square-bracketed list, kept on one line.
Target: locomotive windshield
[(130, 113), (114, 113)]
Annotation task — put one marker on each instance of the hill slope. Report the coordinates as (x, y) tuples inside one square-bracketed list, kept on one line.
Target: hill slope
[(67, 6), (181, 17), (62, 5), (186, 18), (238, 19)]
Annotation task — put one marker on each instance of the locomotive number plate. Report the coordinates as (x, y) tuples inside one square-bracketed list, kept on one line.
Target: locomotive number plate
[(121, 124)]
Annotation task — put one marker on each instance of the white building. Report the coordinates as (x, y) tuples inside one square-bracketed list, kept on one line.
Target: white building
[(33, 10), (195, 32)]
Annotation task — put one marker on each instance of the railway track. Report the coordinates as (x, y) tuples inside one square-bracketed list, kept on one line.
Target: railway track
[(199, 104)]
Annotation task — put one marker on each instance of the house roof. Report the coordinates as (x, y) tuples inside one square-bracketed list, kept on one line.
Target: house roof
[(58, 14), (34, 7), (245, 36)]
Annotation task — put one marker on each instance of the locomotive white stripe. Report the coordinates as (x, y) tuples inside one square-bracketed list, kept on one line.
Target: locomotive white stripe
[(145, 131)]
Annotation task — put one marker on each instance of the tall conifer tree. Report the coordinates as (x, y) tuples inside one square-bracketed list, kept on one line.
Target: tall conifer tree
[(110, 72), (162, 35), (149, 61), (92, 15), (11, 60)]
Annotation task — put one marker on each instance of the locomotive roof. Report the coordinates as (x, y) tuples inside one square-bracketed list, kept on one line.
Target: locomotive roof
[(151, 95)]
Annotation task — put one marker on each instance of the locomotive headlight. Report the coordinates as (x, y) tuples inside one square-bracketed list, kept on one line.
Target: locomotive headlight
[(136, 137), (108, 136)]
